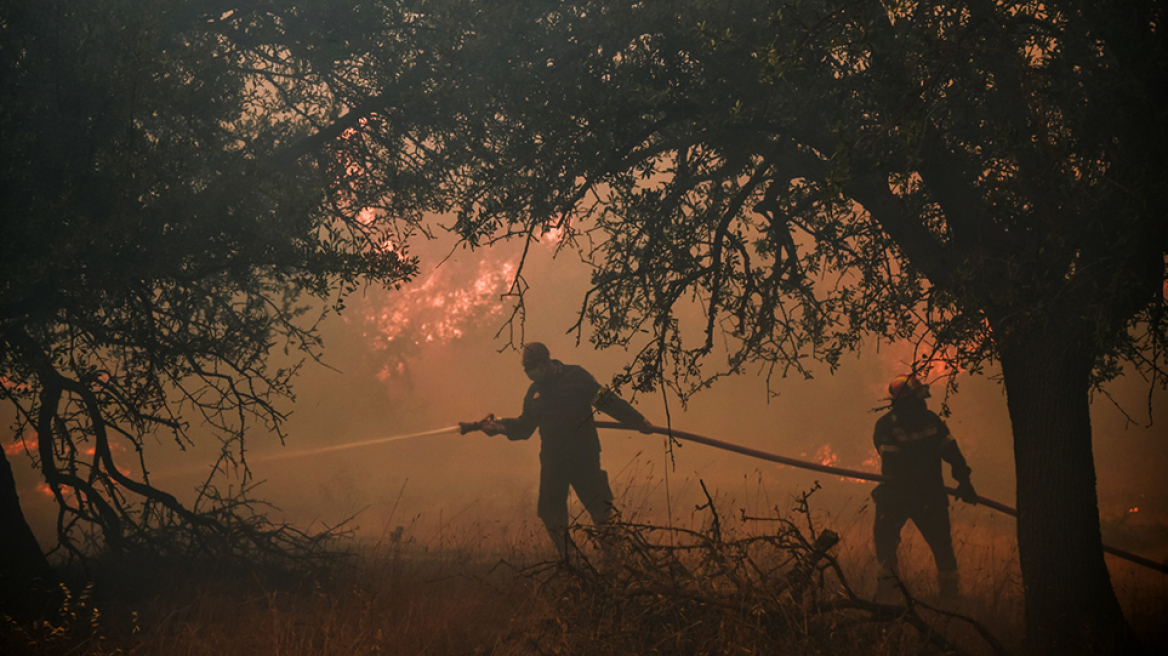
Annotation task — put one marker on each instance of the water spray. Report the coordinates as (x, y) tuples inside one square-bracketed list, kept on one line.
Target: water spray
[(354, 445), (300, 453), (855, 474)]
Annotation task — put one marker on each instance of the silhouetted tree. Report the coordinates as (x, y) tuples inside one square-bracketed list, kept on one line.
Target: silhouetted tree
[(169, 213), (984, 178)]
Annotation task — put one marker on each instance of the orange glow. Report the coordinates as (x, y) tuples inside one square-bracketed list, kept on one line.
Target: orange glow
[(23, 446), (903, 358), (44, 489), (9, 384), (1134, 510), (441, 307), (553, 235), (827, 457)]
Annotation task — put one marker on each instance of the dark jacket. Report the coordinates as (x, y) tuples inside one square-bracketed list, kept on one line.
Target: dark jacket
[(912, 445), (561, 407)]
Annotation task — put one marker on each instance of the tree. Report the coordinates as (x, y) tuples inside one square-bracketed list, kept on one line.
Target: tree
[(983, 178), (171, 213)]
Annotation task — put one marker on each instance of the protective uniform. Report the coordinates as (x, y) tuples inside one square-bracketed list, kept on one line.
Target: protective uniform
[(912, 442), (561, 407)]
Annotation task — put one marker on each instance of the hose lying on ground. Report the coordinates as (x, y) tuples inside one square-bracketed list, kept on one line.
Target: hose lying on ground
[(851, 473)]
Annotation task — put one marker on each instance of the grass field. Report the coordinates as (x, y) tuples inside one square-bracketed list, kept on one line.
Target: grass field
[(745, 584)]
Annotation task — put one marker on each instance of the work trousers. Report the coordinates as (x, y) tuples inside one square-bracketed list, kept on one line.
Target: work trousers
[(584, 475), (928, 512)]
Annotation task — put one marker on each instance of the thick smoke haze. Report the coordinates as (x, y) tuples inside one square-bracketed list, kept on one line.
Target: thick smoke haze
[(431, 355)]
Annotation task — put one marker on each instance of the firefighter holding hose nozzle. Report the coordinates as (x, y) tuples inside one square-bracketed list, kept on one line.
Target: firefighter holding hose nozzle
[(560, 404), (912, 441)]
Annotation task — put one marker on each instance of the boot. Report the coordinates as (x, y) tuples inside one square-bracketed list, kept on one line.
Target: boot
[(562, 543), (947, 583), (887, 585)]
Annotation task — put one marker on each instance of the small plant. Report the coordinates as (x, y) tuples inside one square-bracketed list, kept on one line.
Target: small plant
[(76, 626), (631, 588)]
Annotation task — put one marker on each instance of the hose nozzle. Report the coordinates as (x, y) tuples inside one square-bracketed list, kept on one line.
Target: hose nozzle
[(471, 426)]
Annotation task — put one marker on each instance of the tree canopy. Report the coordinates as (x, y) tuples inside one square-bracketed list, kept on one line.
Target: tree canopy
[(170, 218), (983, 178), (807, 152)]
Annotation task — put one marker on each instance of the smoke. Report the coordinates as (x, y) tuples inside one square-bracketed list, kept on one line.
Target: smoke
[(437, 353)]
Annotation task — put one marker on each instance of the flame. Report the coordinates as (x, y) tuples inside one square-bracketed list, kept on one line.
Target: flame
[(447, 303), (826, 457), (67, 491), (553, 234), (436, 310), (903, 358), (441, 307), (23, 446), (9, 384)]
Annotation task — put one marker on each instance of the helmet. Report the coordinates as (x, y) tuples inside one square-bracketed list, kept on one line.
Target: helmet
[(907, 387)]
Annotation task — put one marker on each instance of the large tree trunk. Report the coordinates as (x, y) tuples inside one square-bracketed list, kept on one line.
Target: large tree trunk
[(23, 568), (1070, 604)]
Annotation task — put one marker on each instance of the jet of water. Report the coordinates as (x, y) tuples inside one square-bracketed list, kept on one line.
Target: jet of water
[(353, 445)]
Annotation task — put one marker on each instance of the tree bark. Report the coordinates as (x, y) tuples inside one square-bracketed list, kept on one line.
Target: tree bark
[(24, 570), (1070, 605)]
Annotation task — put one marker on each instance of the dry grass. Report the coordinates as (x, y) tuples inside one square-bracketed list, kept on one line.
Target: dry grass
[(747, 583)]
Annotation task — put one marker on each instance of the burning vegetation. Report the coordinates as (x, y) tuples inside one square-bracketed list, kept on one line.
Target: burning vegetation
[(748, 584), (766, 186), (757, 581)]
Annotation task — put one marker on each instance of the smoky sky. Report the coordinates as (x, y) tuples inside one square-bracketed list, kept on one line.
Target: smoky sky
[(435, 353)]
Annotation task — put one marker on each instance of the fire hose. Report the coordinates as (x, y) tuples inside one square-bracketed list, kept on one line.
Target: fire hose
[(851, 473)]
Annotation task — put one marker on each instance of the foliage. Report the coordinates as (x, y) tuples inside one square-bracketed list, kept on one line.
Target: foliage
[(663, 589), (163, 238), (77, 623), (733, 585), (810, 173), (983, 179)]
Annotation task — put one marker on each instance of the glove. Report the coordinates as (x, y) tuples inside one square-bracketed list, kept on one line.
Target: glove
[(966, 493), (646, 427), (488, 425)]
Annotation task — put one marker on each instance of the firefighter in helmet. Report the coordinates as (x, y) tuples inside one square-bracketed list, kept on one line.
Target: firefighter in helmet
[(912, 442), (560, 404)]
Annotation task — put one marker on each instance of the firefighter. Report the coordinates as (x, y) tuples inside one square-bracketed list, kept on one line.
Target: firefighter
[(560, 404), (912, 442)]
